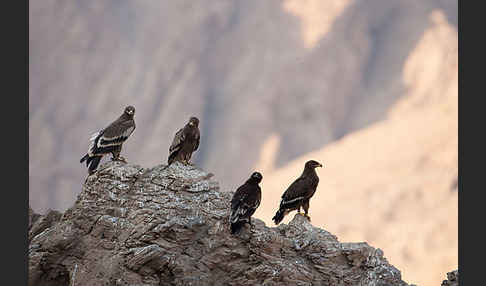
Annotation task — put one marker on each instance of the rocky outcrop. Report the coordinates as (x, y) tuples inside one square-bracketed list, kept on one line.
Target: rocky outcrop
[(169, 226), (452, 279)]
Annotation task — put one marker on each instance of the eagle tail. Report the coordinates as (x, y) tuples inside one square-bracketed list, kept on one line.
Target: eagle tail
[(279, 216), (171, 158), (236, 226), (93, 163), (89, 161), (84, 158)]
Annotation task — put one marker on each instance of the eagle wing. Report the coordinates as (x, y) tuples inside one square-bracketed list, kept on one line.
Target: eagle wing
[(296, 193), (244, 203), (115, 134), (93, 142), (197, 140), (177, 141)]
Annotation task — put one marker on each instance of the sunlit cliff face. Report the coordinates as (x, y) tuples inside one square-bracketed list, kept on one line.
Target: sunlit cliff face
[(316, 16)]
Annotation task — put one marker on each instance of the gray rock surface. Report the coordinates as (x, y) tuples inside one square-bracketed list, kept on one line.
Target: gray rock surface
[(169, 226), (452, 279)]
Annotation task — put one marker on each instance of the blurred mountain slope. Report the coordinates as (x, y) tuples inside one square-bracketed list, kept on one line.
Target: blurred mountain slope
[(396, 180), (243, 67)]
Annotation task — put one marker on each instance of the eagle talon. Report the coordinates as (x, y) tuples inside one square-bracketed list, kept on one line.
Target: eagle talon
[(119, 158), (188, 163)]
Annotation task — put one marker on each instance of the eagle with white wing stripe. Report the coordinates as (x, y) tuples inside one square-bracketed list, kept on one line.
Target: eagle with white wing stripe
[(298, 194), (110, 140)]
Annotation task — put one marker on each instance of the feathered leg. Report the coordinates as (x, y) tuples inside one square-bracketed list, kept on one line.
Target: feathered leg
[(252, 226), (116, 154), (187, 160), (305, 206)]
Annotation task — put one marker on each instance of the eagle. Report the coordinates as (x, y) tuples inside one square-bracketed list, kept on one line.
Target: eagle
[(185, 141), (110, 140), (299, 192), (245, 201)]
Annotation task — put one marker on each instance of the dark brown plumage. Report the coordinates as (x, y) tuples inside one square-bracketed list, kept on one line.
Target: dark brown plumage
[(245, 201), (299, 192), (186, 141), (110, 140)]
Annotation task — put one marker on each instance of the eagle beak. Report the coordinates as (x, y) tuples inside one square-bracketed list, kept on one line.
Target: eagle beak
[(320, 165)]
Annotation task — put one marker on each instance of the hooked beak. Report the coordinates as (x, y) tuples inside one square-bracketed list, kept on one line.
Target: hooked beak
[(320, 165)]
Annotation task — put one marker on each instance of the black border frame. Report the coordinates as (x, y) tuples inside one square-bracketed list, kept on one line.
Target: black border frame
[(16, 154), (15, 212), (470, 205)]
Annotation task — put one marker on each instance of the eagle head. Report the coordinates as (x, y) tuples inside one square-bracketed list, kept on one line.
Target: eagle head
[(311, 164), (256, 177), (193, 121), (130, 110)]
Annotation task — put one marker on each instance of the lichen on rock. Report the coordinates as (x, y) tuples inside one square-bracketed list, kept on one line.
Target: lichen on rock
[(452, 279)]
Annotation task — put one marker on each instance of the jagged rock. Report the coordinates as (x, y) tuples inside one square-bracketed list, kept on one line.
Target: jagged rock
[(452, 279), (169, 226), (32, 217), (37, 223)]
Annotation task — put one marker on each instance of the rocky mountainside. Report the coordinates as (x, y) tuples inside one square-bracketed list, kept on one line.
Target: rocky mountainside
[(169, 226), (307, 72)]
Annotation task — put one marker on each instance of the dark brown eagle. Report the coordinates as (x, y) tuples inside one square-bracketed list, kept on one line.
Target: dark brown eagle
[(245, 201), (299, 192), (186, 141), (110, 140)]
